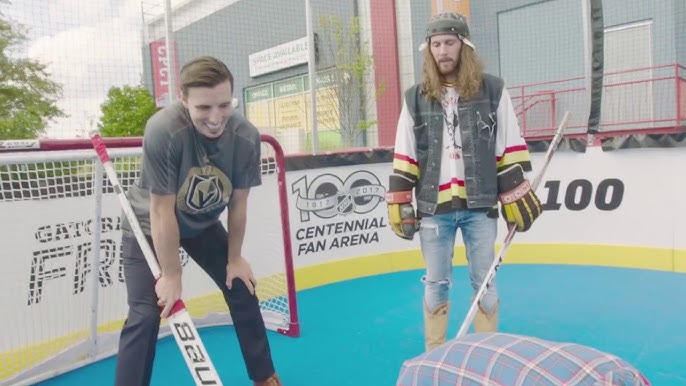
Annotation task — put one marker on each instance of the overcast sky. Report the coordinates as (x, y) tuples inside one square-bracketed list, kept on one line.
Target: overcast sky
[(89, 47)]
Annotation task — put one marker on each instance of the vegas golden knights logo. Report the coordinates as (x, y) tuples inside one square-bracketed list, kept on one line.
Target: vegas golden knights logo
[(206, 188)]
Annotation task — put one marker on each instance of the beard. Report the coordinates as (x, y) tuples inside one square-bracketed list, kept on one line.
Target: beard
[(447, 67)]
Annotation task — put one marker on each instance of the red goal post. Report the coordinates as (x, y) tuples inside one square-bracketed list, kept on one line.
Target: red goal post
[(61, 252)]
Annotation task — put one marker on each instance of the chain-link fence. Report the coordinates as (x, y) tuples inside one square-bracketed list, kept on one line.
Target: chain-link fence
[(106, 64)]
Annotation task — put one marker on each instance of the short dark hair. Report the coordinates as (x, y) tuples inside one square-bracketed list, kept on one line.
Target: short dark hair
[(204, 71)]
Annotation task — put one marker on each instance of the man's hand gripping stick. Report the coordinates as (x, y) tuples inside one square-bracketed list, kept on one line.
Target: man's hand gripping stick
[(185, 334)]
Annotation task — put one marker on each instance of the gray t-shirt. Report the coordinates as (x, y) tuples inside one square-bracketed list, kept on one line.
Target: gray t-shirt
[(201, 172)]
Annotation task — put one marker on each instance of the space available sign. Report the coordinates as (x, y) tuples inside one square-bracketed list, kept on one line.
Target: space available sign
[(12, 144), (339, 212), (285, 55)]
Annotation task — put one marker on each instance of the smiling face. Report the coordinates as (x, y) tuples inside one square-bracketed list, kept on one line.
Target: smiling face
[(445, 50), (209, 108)]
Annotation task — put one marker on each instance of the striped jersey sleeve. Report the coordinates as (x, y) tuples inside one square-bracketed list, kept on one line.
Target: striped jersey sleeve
[(510, 146), (405, 167)]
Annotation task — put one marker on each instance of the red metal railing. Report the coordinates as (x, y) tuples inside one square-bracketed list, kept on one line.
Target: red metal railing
[(634, 101)]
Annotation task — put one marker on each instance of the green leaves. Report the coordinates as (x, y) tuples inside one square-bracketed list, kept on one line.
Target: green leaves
[(126, 111), (27, 95)]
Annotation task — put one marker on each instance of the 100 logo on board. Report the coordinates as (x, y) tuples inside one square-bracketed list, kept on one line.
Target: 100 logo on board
[(580, 192)]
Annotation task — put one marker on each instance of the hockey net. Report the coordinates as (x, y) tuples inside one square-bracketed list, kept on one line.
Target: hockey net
[(62, 271)]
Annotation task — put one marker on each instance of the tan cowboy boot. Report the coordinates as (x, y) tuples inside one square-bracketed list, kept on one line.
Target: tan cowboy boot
[(435, 326), (271, 381), (486, 322)]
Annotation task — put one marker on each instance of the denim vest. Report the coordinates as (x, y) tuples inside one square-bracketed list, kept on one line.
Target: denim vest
[(478, 128)]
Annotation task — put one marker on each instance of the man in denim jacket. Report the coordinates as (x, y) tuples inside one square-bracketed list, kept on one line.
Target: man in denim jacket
[(458, 145)]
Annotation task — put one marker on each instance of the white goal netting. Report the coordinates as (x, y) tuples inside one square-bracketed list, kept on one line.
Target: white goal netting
[(64, 298)]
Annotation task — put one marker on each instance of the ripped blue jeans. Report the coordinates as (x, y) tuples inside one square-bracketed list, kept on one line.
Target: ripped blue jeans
[(437, 237)]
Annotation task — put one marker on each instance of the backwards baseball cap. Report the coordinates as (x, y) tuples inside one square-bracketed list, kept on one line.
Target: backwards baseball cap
[(447, 23)]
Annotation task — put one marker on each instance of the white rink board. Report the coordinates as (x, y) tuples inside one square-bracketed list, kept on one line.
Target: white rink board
[(30, 240), (48, 243), (643, 192), (644, 214), (336, 213), (678, 198)]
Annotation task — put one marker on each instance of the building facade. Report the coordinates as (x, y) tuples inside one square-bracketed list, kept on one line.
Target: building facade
[(366, 54)]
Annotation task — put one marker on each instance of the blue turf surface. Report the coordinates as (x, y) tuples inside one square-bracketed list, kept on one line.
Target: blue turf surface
[(359, 332)]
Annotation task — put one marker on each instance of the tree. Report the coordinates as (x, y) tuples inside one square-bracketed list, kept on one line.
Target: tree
[(125, 111), (27, 95), (350, 80)]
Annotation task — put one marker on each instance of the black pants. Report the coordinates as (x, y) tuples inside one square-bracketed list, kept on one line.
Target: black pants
[(138, 338)]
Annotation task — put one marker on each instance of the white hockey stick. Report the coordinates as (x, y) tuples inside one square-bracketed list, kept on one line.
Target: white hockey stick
[(511, 231), (186, 335)]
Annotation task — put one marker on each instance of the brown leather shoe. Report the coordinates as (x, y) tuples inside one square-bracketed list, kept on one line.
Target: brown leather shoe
[(271, 381)]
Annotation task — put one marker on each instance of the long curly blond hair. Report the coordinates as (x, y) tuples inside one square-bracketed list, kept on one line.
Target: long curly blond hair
[(469, 74)]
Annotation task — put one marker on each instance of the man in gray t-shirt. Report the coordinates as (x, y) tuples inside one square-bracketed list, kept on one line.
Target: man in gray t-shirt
[(199, 157), (201, 173)]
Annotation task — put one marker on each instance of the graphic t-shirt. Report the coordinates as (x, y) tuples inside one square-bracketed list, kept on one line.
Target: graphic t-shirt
[(202, 173), (452, 167)]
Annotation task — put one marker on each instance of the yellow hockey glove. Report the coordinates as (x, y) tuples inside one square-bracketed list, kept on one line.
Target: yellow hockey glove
[(519, 204), (401, 214)]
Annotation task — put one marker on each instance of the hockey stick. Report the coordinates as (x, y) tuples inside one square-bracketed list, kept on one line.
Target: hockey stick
[(511, 231), (186, 336)]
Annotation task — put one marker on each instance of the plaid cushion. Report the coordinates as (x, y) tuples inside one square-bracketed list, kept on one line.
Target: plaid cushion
[(514, 360)]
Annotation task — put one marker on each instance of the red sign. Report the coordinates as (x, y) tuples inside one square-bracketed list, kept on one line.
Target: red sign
[(161, 72)]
